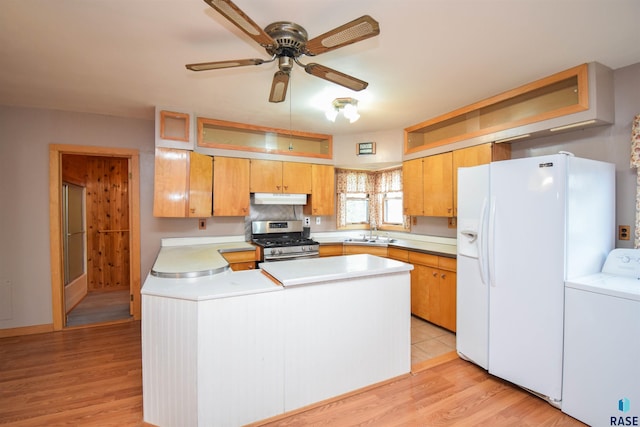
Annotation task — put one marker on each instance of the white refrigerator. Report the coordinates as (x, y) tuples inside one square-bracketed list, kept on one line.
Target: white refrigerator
[(524, 227)]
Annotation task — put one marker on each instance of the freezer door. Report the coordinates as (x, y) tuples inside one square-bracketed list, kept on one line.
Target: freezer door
[(526, 250), (472, 323)]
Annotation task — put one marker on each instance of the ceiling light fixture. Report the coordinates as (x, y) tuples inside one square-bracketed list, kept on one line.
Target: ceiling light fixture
[(348, 107)]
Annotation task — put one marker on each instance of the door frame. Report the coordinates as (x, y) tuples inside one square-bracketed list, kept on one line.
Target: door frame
[(55, 223)]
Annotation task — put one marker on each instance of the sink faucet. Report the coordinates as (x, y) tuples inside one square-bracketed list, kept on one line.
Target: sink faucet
[(372, 228)]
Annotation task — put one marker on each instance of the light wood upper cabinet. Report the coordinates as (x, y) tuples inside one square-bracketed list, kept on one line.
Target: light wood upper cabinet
[(296, 178), (323, 191), (230, 186), (200, 185), (430, 184), (270, 176), (182, 184), (174, 129), (474, 156), (412, 187), (427, 186), (528, 107), (438, 185)]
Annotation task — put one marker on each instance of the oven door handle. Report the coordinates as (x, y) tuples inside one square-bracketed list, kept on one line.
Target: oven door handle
[(285, 257)]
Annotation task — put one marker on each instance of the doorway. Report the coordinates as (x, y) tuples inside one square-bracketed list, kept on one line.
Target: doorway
[(108, 289)]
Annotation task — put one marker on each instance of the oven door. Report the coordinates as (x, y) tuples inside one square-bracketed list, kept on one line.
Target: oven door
[(288, 257)]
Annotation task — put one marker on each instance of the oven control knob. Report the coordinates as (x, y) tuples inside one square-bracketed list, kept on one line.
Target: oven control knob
[(304, 248), (626, 259), (279, 251)]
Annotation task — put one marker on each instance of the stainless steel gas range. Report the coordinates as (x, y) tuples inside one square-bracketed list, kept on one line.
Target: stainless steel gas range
[(283, 240)]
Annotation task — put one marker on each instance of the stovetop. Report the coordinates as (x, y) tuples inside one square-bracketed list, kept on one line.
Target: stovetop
[(270, 242), (279, 234)]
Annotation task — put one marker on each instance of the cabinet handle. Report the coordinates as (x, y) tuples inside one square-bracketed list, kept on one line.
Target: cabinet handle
[(443, 276), (286, 187), (435, 274), (277, 187)]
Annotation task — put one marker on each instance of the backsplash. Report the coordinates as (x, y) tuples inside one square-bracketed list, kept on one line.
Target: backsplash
[(271, 212)]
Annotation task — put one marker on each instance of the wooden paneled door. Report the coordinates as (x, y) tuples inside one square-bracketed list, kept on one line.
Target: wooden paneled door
[(111, 179)]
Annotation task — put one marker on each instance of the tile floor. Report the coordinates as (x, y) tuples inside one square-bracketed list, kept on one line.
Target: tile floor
[(429, 341)]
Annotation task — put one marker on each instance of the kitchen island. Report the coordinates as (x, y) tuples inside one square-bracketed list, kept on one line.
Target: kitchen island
[(237, 347)]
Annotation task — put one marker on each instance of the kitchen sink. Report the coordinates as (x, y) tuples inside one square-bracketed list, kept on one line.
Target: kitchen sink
[(376, 241)]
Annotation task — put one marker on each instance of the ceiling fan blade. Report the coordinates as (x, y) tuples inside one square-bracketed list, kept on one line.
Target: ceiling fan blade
[(335, 76), (351, 32), (279, 86), (203, 66), (238, 18)]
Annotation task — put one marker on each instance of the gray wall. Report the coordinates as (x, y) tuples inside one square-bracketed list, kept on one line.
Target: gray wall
[(25, 135)]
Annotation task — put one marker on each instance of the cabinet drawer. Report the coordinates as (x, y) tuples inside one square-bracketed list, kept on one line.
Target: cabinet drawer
[(331, 250), (371, 250), (241, 256), (423, 259), (240, 266), (399, 254), (446, 263)]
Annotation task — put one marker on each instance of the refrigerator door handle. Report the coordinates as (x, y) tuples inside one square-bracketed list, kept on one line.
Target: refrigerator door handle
[(491, 243), (472, 235), (482, 261)]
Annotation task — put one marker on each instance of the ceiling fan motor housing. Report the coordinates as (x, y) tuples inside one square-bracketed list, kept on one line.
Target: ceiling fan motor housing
[(290, 39)]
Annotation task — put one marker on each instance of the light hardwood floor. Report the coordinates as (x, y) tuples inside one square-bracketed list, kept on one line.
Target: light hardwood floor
[(93, 377)]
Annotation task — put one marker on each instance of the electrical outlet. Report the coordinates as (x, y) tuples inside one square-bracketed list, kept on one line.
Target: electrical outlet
[(452, 223), (307, 221), (202, 223), (624, 232), (318, 220)]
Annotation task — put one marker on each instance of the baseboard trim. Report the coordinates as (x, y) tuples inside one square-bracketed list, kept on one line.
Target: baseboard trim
[(26, 330)]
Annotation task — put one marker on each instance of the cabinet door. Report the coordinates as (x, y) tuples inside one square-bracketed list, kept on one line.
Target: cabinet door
[(412, 187), (296, 178), (323, 193), (438, 185), (434, 301), (266, 176), (230, 186), (468, 157), (419, 291), (331, 250), (200, 185), (363, 249), (447, 291), (170, 182)]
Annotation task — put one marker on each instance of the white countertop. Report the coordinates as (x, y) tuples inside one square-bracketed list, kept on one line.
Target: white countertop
[(223, 285), (315, 270), (194, 258), (429, 244)]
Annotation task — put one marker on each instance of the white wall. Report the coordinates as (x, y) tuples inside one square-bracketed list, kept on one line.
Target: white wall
[(25, 135), (606, 143)]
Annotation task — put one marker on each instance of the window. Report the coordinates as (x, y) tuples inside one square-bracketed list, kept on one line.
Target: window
[(392, 208), (357, 208), (366, 198)]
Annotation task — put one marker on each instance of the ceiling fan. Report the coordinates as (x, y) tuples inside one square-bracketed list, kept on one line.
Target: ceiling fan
[(287, 41)]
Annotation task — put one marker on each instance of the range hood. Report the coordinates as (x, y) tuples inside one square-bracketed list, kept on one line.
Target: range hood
[(279, 199)]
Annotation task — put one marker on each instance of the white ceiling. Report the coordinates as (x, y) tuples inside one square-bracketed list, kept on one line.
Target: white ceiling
[(123, 57)]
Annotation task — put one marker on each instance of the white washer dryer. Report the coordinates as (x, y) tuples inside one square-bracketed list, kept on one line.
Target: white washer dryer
[(601, 372)]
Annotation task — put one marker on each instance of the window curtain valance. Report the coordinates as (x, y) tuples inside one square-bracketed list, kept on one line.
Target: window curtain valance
[(635, 163)]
